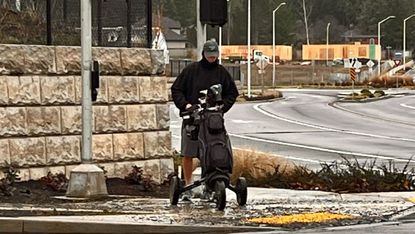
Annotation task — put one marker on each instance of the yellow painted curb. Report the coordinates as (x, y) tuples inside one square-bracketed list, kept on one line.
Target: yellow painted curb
[(411, 199), (300, 218)]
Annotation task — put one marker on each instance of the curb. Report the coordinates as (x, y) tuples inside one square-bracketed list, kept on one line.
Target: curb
[(19, 225)]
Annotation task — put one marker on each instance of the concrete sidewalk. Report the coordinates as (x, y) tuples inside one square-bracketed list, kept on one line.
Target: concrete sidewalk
[(138, 215)]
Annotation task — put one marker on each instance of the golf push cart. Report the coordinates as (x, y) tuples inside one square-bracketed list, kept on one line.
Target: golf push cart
[(205, 123)]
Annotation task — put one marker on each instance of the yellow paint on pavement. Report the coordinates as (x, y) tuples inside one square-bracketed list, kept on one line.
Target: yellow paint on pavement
[(300, 218), (412, 199)]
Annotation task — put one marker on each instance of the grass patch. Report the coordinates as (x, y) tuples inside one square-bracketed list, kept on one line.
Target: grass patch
[(364, 94), (345, 176)]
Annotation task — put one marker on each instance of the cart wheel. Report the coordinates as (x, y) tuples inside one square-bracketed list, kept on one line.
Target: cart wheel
[(241, 191), (174, 190), (220, 195)]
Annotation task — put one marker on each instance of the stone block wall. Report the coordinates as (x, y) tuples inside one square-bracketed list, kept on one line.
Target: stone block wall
[(40, 111)]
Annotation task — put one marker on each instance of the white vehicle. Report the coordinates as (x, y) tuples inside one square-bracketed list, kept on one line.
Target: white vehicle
[(259, 55)]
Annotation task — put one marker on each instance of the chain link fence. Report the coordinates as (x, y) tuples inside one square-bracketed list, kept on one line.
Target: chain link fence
[(115, 23)]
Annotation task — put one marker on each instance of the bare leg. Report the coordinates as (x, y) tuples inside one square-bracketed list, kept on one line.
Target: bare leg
[(187, 169)]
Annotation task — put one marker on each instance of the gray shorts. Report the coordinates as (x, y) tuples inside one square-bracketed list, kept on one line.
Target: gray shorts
[(189, 146)]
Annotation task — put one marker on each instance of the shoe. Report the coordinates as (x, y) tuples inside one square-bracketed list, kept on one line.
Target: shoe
[(187, 196)]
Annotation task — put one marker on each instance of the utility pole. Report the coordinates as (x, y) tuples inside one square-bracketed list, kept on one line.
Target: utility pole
[(305, 22)]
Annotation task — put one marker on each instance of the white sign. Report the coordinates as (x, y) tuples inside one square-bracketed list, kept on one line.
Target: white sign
[(262, 63), (370, 63), (352, 63)]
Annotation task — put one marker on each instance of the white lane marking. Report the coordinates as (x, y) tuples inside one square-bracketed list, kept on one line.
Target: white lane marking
[(317, 148), (240, 121), (257, 108), (408, 106)]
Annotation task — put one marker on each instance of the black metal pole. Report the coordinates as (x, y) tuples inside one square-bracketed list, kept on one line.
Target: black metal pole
[(65, 9), (48, 23), (99, 22), (149, 23), (129, 23)]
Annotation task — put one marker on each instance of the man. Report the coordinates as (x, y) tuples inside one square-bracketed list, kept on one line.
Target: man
[(185, 93)]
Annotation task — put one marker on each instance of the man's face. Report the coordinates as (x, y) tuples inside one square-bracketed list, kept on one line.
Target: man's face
[(211, 59)]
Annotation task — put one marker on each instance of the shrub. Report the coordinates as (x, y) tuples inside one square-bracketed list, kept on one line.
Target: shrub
[(57, 182), (136, 176), (379, 93), (6, 184)]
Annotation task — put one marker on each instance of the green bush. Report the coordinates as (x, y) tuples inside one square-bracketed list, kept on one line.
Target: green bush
[(379, 93)]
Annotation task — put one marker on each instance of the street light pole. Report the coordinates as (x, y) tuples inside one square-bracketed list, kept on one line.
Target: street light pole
[(249, 48), (379, 45), (220, 40), (87, 179), (220, 45), (327, 44), (404, 38), (273, 42)]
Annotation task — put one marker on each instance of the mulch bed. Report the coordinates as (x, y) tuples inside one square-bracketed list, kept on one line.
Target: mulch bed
[(36, 192)]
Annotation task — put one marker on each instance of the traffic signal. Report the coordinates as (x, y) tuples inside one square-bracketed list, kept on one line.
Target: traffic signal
[(94, 80), (214, 12)]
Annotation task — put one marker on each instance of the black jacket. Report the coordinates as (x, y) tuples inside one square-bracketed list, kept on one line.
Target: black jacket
[(200, 76)]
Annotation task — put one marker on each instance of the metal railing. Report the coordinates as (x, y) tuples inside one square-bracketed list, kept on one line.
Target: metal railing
[(115, 23)]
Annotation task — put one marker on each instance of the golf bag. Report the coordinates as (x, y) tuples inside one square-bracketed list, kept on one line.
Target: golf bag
[(215, 151)]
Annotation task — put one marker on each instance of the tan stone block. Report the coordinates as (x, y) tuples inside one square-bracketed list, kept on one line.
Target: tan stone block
[(43, 120), (57, 89), (2, 175), (71, 119), (109, 169), (101, 119), (122, 169), (141, 117), (28, 151), (157, 144), (166, 168), (11, 59), (4, 152), (109, 60), (102, 150), (163, 116), (136, 61), (153, 89), (37, 173), (13, 121), (102, 91), (68, 59), (24, 89), (110, 119), (24, 174), (57, 170), (118, 116), (128, 146), (39, 59), (158, 65), (152, 167), (63, 150), (123, 89), (4, 96)]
